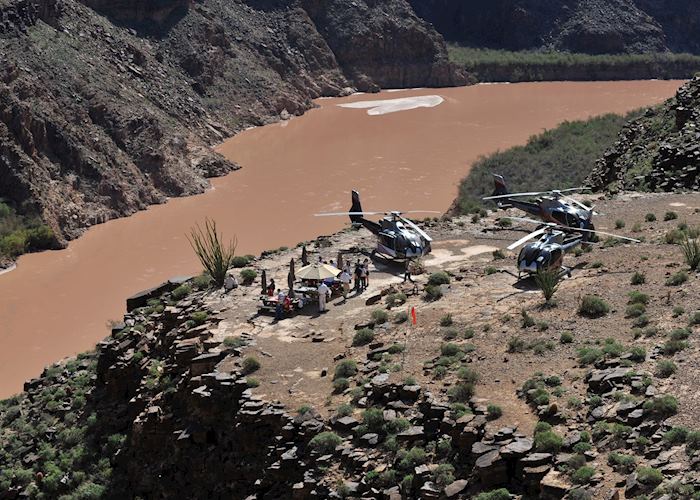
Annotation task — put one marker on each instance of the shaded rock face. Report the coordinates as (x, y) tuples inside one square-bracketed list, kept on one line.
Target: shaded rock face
[(658, 151), (588, 26), (99, 120)]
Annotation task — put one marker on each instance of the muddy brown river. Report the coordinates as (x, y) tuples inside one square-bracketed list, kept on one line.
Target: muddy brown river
[(398, 155)]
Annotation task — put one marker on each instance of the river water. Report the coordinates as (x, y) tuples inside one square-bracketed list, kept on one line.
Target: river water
[(58, 303)]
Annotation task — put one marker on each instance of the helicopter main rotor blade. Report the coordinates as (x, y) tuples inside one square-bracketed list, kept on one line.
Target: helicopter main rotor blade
[(527, 238), (331, 214), (513, 195), (417, 229), (607, 234), (416, 212), (570, 190), (532, 221), (578, 203)]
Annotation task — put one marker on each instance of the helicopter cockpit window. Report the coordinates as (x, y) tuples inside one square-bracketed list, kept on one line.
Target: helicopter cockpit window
[(560, 217)]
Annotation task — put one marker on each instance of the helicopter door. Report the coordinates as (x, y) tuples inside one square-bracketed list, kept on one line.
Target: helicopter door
[(560, 217)]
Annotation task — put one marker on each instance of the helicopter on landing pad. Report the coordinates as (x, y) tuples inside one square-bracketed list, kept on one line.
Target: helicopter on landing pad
[(398, 238), (551, 206)]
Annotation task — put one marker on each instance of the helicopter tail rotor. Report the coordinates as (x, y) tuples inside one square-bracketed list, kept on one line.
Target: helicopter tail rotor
[(501, 188), (355, 208)]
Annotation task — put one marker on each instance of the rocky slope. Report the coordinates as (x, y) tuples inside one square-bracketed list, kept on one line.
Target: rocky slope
[(588, 26), (194, 395), (658, 151), (106, 107)]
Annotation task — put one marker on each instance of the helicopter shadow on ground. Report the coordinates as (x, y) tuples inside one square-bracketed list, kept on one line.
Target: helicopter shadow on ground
[(527, 284)]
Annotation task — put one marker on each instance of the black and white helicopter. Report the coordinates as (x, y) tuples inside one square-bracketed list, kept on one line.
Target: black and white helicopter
[(398, 238), (553, 206), (547, 253)]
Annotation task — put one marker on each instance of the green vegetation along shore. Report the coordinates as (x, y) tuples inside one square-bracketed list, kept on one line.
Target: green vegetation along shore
[(21, 233), (488, 65), (558, 158)]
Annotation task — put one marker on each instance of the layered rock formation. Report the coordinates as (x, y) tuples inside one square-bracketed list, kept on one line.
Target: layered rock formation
[(658, 151), (105, 111), (588, 26)]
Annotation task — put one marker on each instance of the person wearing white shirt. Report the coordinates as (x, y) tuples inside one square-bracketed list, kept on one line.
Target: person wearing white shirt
[(323, 293), (345, 280)]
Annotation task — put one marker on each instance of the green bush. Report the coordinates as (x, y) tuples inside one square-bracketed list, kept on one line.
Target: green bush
[(214, 255), (468, 375), (691, 252), (548, 442), (650, 217), (638, 278), (589, 355), (248, 276), (620, 461), (199, 318), (635, 310), (446, 320), (548, 283), (638, 354), (619, 224), (461, 392), (363, 337), (181, 292), (583, 475), (665, 368), (401, 317), (676, 435), (240, 261), (340, 384), (672, 346), (380, 316), (593, 306), (395, 299), (694, 318), (444, 475), (433, 293), (693, 441), (409, 459), (677, 279), (250, 365), (325, 442), (499, 494), (516, 344), (345, 369), (373, 418), (662, 406), (493, 412), (439, 278), (649, 476), (566, 338), (234, 342), (670, 216), (450, 349)]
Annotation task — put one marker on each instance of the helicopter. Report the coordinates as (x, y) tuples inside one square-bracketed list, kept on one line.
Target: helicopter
[(547, 253), (398, 238), (551, 206)]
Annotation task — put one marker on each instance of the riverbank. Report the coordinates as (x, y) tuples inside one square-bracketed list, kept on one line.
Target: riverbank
[(487, 65)]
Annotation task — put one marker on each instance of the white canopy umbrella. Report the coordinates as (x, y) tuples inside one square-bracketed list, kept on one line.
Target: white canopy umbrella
[(317, 272)]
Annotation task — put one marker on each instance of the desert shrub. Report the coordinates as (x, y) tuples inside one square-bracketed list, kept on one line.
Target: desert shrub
[(527, 321), (662, 406), (548, 283), (345, 369), (566, 338), (234, 342), (240, 261), (619, 224), (248, 276), (395, 299), (635, 310), (199, 318), (665, 368), (636, 297), (670, 216), (363, 337), (499, 494), (676, 435), (450, 333), (181, 292), (548, 442), (671, 346), (380, 316), (693, 441), (214, 255), (203, 281), (252, 382), (493, 412), (344, 410), (650, 217), (583, 475), (439, 278), (589, 355), (516, 344), (409, 459), (373, 418), (449, 349), (444, 475), (498, 254), (432, 293), (638, 354), (461, 392), (593, 306), (694, 318), (341, 384), (468, 375), (250, 365), (446, 320), (397, 348), (680, 334), (325, 442), (638, 278), (649, 476), (621, 461), (691, 252), (401, 317), (677, 279)]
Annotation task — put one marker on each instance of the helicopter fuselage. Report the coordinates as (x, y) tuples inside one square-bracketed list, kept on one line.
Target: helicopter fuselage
[(551, 209), (547, 253)]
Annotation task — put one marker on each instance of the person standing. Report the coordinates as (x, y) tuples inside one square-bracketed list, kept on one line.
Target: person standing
[(407, 272), (365, 265), (358, 278), (271, 288), (345, 280), (323, 292), (279, 309)]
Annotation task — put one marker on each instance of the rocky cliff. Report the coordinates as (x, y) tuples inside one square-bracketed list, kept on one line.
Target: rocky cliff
[(106, 107), (588, 26), (658, 151)]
